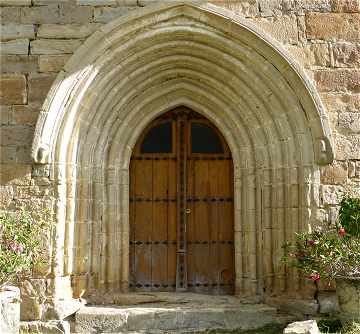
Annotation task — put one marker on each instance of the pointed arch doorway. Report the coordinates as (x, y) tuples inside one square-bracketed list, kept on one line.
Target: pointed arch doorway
[(181, 207)]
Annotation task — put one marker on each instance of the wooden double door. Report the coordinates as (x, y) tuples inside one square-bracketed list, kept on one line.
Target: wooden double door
[(181, 207)]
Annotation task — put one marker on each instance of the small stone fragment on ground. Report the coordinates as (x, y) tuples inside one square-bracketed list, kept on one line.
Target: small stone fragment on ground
[(302, 327)]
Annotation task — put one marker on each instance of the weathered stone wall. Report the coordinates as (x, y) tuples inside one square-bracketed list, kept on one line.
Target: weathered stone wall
[(39, 36)]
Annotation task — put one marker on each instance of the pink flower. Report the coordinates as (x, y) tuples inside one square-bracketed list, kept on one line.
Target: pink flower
[(314, 277), (341, 232), (311, 242), (20, 248), (13, 246)]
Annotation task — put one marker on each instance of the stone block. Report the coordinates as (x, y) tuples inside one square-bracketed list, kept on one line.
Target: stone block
[(316, 54), (328, 302), (97, 2), (247, 8), (18, 174), (52, 63), (346, 54), (33, 296), (347, 147), (39, 86), (107, 14), (15, 3), (47, 2), (13, 89), (41, 14), (6, 196), (348, 6), (332, 26), (9, 14), (54, 46), (67, 30), (9, 310), (336, 173), (25, 114), (18, 64), (13, 31), (302, 327), (280, 7), (337, 102), (331, 195), (70, 13), (45, 327), (16, 135), (349, 122), (61, 309), (284, 28), (15, 47), (5, 114), (342, 80)]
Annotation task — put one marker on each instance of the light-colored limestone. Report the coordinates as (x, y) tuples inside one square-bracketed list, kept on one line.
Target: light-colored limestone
[(333, 26), (13, 31), (18, 64), (350, 122), (9, 310), (106, 14), (302, 327), (97, 2), (39, 85), (331, 195), (48, 327), (13, 89), (338, 80), (336, 173), (6, 196), (15, 3), (66, 30), (283, 29), (25, 114), (15, 47), (201, 313), (328, 302), (348, 6), (52, 63), (9, 15), (346, 54), (54, 46), (5, 114), (19, 174)]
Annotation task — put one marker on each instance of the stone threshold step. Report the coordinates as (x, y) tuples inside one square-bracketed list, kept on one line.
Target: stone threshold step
[(168, 318)]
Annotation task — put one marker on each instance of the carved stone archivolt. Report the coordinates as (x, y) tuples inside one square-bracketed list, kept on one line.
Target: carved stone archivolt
[(149, 62)]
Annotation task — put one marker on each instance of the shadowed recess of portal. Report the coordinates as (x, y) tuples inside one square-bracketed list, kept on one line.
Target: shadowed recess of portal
[(158, 139), (204, 139)]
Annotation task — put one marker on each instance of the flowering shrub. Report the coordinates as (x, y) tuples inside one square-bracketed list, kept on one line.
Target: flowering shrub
[(21, 248), (332, 251)]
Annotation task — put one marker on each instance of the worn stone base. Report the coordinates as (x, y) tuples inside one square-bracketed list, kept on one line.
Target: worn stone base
[(48, 327), (184, 312), (9, 310)]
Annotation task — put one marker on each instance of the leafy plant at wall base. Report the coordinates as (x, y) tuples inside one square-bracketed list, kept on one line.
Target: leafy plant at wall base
[(21, 242), (349, 215), (330, 251)]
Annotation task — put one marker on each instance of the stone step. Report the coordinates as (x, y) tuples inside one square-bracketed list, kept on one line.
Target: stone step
[(189, 315)]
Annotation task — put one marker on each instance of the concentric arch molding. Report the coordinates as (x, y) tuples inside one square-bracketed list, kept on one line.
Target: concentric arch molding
[(195, 54)]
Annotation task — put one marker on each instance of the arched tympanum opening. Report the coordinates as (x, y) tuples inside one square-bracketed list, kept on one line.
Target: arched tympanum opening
[(143, 65)]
